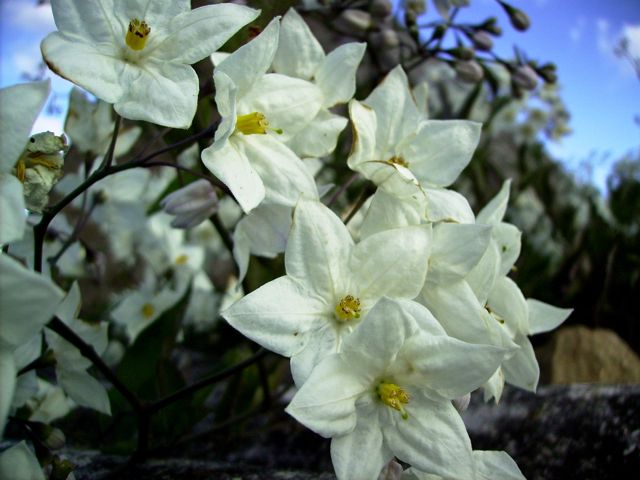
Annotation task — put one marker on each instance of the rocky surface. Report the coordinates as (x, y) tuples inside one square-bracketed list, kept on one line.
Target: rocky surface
[(586, 432)]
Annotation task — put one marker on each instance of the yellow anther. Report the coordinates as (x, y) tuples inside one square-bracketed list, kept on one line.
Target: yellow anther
[(348, 308), (137, 34), (393, 396), (254, 123), (21, 170), (148, 310), (182, 259), (398, 161)]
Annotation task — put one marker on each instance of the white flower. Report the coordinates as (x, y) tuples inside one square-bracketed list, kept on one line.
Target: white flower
[(191, 205), (28, 302), (71, 365), (136, 53), (20, 462), (388, 393), (490, 465), (408, 155), (19, 107), (300, 55), (330, 286), (260, 112)]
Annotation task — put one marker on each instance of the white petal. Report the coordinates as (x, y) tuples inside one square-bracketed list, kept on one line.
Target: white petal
[(336, 77), (228, 162), (226, 97), (522, 368), (447, 206), (251, 61), (507, 238), (197, 33), (19, 108), (8, 382), (326, 401), (13, 218), (386, 212), (493, 212), (319, 137), (321, 343), (318, 248), (441, 150), (485, 273), (283, 174), (96, 69), (364, 123), (494, 465), (84, 389), (19, 462), (161, 92), (451, 367), (90, 20), (433, 439), (507, 301), (156, 13), (361, 453), (392, 263), (299, 52), (280, 315), (29, 300), (494, 386), (544, 317), (456, 250)]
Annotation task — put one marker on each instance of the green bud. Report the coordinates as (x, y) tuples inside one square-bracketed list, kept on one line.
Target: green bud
[(519, 20)]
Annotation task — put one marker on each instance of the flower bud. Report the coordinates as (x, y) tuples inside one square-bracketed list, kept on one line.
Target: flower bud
[(353, 22), (482, 41), (415, 6), (385, 38), (462, 53), (525, 77), (469, 71), (548, 72), (61, 468), (491, 26), (191, 205), (519, 20), (52, 437), (380, 8)]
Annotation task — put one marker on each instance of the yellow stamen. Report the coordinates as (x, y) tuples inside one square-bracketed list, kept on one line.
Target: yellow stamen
[(393, 396), (137, 34), (348, 308), (398, 161), (254, 123), (148, 310), (21, 170), (182, 259)]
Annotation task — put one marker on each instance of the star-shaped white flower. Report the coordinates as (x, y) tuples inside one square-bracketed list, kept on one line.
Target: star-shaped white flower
[(330, 286), (300, 55), (137, 54), (406, 154), (260, 112), (388, 393)]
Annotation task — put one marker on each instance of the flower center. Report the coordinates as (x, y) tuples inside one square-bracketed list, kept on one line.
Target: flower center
[(398, 161), (148, 310), (137, 34), (393, 396), (182, 259), (254, 123), (348, 308)]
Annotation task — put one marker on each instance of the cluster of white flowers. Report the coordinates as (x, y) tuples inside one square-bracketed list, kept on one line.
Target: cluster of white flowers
[(389, 326)]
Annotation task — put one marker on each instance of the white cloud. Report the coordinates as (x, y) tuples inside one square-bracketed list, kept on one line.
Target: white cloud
[(577, 30), (28, 16), (632, 34), (607, 40)]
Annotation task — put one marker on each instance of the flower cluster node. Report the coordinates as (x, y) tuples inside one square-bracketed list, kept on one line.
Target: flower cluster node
[(395, 160), (348, 308), (254, 123), (393, 396), (137, 34)]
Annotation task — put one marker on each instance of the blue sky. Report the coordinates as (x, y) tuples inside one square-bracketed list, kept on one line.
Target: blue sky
[(600, 89)]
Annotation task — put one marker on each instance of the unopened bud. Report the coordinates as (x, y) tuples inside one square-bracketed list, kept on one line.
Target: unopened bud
[(380, 8), (462, 403), (519, 20), (385, 38), (191, 205), (491, 26), (353, 22), (482, 41), (410, 18), (462, 53), (52, 437), (525, 77), (416, 6), (469, 71)]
